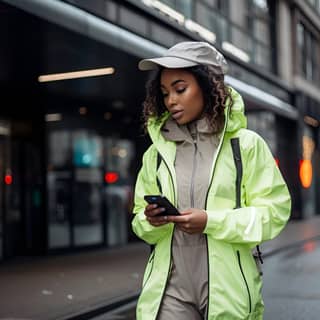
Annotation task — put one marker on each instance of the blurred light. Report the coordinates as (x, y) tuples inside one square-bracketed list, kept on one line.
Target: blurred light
[(107, 115), (53, 117), (4, 129), (163, 8), (305, 173), (262, 4), (227, 46), (86, 158), (277, 161), (118, 104), (308, 146), (200, 30), (309, 246), (122, 153), (83, 110), (76, 74), (111, 177), (8, 179), (311, 121)]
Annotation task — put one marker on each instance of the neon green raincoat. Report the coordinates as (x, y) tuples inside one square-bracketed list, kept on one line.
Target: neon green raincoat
[(234, 281)]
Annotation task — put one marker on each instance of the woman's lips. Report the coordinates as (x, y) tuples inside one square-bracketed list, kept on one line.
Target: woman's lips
[(177, 115)]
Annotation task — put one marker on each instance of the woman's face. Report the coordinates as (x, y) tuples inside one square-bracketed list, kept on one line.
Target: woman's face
[(182, 95)]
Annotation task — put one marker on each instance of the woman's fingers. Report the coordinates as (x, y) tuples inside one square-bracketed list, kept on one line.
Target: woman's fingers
[(191, 221), (152, 210), (158, 221), (185, 227)]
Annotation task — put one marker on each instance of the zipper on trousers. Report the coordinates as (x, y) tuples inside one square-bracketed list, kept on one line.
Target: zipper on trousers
[(245, 280)]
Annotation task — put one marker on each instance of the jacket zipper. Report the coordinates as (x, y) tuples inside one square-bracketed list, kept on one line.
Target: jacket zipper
[(151, 259), (245, 280), (168, 275), (194, 167), (170, 265), (174, 193)]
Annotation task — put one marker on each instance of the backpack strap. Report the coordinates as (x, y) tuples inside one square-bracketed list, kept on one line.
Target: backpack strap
[(238, 163), (235, 145), (159, 158)]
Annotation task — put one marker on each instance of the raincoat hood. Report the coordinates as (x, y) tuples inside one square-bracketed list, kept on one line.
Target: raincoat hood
[(234, 115)]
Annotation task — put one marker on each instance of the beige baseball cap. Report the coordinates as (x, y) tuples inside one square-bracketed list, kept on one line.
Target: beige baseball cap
[(188, 54)]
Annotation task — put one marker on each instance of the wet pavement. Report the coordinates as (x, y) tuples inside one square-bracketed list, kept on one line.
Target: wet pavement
[(127, 312), (292, 284), (58, 287)]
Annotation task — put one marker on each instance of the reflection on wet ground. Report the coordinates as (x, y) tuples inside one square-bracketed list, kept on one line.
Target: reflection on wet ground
[(305, 248), (292, 283)]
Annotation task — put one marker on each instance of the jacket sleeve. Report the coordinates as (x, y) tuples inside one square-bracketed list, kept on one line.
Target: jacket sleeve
[(267, 202), (146, 184)]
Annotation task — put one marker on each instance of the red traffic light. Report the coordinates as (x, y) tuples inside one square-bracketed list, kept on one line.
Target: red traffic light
[(8, 179), (111, 177)]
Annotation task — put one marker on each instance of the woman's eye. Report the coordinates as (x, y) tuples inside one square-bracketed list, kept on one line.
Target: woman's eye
[(180, 90), (164, 95)]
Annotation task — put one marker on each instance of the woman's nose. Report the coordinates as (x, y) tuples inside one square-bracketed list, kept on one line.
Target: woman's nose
[(172, 101)]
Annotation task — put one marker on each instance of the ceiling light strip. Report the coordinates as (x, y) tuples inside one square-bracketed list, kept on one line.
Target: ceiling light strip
[(75, 74)]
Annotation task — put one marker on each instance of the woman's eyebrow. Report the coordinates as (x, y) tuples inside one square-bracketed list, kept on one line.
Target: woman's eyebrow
[(173, 83), (176, 81)]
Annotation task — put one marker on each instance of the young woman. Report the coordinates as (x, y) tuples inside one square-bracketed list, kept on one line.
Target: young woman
[(223, 180)]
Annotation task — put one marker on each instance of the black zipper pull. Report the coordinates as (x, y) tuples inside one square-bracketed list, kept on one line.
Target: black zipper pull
[(259, 255)]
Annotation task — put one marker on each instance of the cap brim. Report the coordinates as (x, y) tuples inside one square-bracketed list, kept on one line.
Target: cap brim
[(166, 62)]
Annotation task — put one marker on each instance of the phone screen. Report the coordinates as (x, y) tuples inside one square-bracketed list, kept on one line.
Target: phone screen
[(162, 202)]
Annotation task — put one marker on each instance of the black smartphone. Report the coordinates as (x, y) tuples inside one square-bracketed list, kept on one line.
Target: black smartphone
[(162, 202)]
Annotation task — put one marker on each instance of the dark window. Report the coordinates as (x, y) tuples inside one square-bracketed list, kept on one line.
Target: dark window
[(133, 21), (220, 5), (309, 51), (251, 30)]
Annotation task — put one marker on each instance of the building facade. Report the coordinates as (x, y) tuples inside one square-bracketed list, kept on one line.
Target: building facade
[(70, 149)]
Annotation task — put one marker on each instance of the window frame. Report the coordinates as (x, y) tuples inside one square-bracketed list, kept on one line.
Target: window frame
[(314, 37)]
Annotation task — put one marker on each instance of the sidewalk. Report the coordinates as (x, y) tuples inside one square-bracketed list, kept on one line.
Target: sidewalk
[(295, 231), (56, 286)]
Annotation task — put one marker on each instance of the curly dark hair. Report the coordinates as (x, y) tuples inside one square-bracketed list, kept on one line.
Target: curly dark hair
[(215, 94)]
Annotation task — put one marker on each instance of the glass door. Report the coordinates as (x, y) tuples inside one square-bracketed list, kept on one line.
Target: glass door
[(21, 214), (5, 180), (75, 188), (87, 188)]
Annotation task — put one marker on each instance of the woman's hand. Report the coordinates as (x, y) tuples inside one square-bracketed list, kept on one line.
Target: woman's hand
[(151, 211), (190, 221)]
